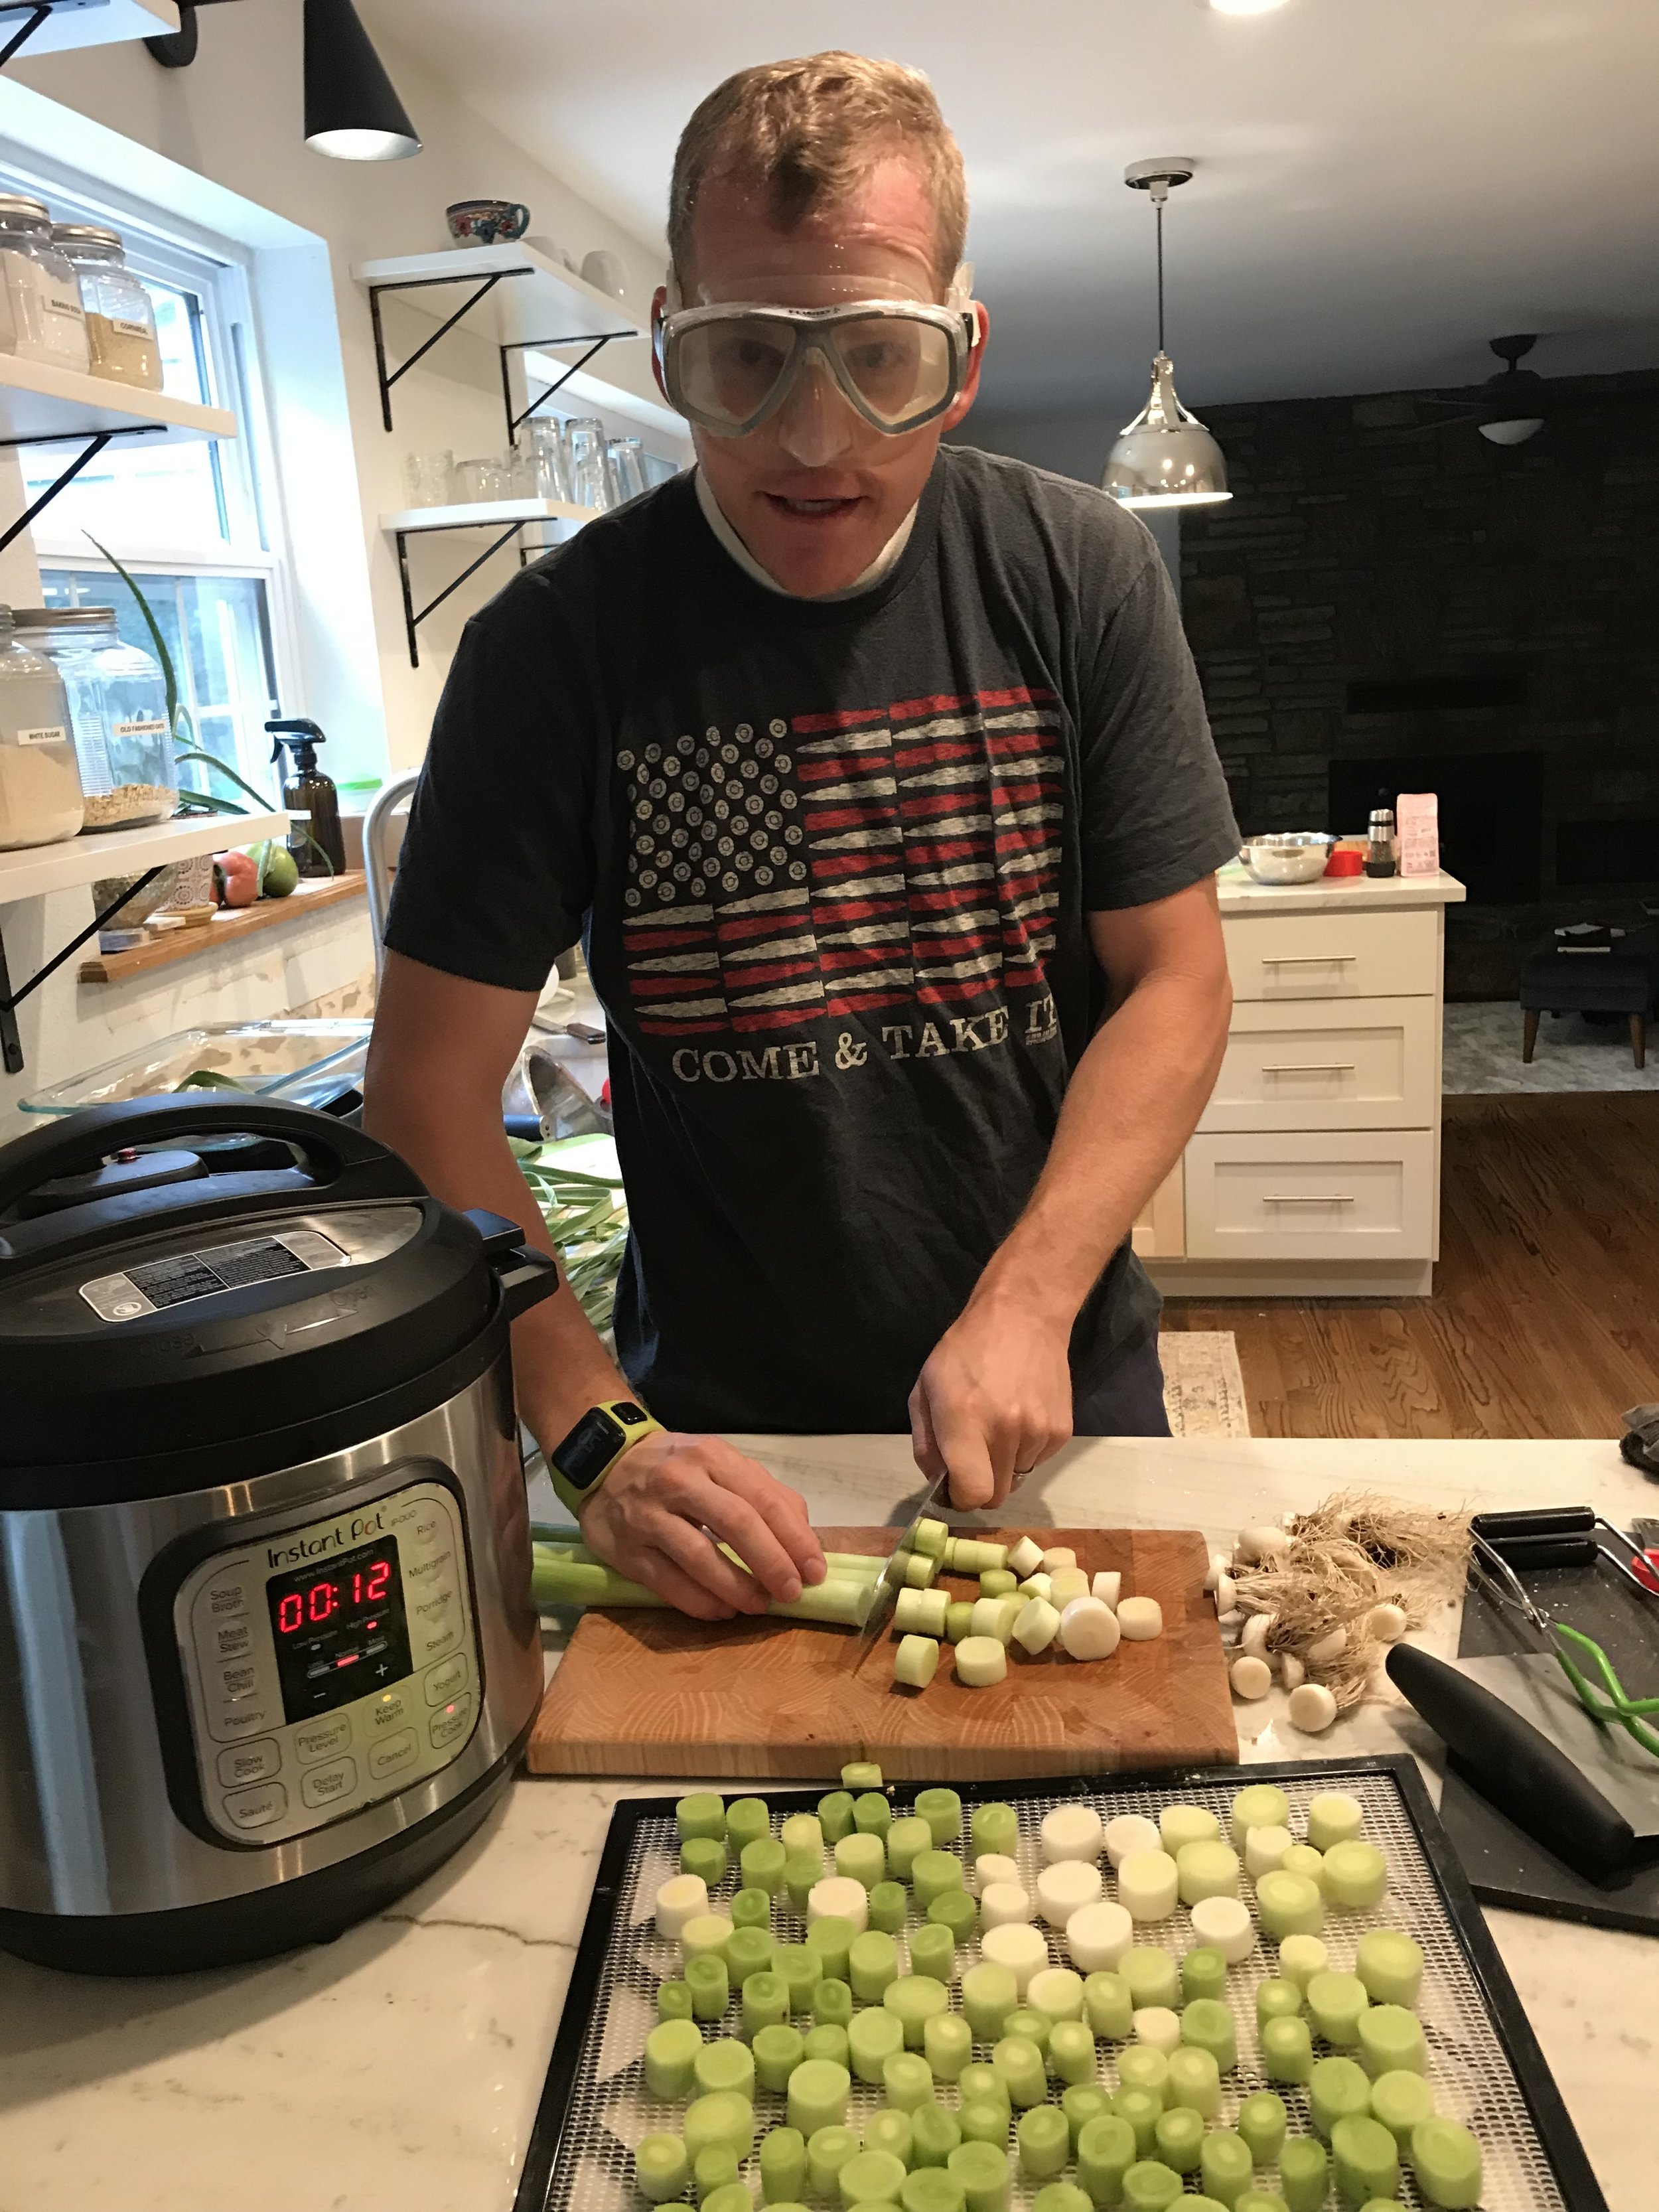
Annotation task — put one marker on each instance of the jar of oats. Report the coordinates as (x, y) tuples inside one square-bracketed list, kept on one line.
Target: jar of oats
[(50, 324)]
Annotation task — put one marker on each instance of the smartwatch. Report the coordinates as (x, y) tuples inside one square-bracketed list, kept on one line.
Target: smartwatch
[(581, 1462)]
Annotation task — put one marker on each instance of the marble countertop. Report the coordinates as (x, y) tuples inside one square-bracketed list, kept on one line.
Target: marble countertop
[(1241, 894), (398, 2070)]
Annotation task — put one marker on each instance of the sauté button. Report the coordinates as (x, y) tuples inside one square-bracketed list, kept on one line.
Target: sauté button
[(396, 1752), (249, 1762), (257, 1808), (322, 1741), (443, 1681), (326, 1785), (450, 1721)]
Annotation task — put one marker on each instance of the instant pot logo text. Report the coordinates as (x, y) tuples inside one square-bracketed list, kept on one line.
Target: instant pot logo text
[(340, 1538)]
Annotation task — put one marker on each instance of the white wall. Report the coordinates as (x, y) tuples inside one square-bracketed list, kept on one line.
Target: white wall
[(234, 118)]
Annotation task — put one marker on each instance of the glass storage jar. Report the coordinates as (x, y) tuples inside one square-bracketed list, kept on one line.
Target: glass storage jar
[(121, 337), (45, 299), (39, 784), (118, 711)]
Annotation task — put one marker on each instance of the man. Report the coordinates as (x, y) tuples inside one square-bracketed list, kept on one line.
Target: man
[(872, 773)]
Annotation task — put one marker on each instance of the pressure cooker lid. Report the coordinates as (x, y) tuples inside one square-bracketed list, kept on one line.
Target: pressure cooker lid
[(159, 1303)]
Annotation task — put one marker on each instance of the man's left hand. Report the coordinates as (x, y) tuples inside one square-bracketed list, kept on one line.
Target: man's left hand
[(993, 1399)]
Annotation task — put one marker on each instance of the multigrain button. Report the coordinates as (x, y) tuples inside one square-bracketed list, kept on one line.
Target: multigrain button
[(433, 1573), (323, 1740), (249, 1762), (443, 1681), (387, 1758), (450, 1721), (257, 1808), (326, 1785)]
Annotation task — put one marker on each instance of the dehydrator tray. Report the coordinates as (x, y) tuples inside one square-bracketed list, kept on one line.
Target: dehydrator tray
[(1484, 2064)]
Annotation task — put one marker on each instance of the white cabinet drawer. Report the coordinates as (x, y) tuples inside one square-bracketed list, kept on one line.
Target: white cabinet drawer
[(1344, 1196), (1328, 1064), (1333, 955)]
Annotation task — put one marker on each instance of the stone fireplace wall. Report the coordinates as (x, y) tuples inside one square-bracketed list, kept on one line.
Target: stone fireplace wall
[(1386, 584)]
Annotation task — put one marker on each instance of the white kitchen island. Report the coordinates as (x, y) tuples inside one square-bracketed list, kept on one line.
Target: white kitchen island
[(1315, 1170), (398, 2070)]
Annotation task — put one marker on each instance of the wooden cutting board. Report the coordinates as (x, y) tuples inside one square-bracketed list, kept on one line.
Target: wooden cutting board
[(641, 1692)]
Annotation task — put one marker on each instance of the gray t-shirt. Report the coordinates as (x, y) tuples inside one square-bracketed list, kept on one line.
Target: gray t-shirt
[(831, 862)]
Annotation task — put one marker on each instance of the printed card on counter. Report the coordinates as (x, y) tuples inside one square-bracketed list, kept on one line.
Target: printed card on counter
[(1417, 824)]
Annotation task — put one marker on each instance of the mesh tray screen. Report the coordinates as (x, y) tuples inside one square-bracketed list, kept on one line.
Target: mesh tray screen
[(1469, 2070)]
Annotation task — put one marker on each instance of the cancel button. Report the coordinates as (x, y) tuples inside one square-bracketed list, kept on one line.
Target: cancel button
[(393, 1755)]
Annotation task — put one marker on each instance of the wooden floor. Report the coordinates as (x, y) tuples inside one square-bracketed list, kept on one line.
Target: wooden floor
[(1545, 1320)]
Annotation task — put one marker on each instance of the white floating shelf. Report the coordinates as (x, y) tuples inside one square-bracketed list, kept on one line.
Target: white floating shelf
[(598, 392), (543, 300), (112, 853), (487, 513), (39, 400), (90, 23)]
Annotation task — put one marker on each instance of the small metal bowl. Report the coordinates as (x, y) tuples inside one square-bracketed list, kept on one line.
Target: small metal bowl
[(1289, 857)]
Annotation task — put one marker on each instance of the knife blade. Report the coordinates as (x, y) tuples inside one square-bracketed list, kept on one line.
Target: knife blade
[(891, 1581)]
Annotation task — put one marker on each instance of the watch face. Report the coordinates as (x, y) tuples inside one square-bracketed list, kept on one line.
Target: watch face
[(589, 1449)]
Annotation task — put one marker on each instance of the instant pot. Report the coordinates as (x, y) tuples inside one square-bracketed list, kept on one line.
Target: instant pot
[(267, 1647)]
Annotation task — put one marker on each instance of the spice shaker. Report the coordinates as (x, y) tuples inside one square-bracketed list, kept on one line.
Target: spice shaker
[(1379, 856)]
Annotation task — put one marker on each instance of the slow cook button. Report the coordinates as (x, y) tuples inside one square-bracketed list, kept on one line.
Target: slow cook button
[(322, 1741), (257, 1808), (443, 1681), (249, 1762), (450, 1721), (326, 1785), (396, 1752)]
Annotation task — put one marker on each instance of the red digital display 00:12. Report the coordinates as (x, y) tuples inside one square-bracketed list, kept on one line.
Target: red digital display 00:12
[(312, 1608)]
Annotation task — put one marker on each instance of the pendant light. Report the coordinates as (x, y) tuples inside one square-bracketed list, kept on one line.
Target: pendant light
[(1512, 402), (1165, 457), (352, 111)]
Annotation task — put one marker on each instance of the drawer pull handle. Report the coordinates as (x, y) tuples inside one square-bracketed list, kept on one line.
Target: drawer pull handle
[(1310, 960), (1308, 1198), (1309, 1068)]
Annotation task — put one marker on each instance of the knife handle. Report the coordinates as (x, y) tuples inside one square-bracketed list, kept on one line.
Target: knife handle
[(1517, 1768)]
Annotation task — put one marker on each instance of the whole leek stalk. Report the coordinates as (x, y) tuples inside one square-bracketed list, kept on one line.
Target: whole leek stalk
[(561, 1578)]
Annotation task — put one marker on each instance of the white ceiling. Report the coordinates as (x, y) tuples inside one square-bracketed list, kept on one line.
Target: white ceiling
[(1382, 186)]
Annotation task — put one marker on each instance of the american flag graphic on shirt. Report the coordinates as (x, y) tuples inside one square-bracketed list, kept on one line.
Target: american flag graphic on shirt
[(838, 864)]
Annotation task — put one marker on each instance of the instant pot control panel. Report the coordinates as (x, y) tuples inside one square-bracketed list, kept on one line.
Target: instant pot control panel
[(329, 1665)]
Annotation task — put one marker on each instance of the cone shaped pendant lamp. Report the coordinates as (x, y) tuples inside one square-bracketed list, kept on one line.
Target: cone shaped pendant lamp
[(352, 111), (1165, 457)]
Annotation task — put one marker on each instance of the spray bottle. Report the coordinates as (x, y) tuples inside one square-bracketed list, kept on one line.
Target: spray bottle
[(307, 791)]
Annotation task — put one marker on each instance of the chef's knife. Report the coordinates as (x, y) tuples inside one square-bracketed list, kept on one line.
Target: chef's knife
[(891, 1581)]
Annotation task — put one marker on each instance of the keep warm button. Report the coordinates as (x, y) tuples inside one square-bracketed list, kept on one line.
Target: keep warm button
[(326, 1785), (450, 1722)]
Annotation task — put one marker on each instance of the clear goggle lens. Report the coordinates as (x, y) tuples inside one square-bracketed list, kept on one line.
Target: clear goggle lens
[(730, 370)]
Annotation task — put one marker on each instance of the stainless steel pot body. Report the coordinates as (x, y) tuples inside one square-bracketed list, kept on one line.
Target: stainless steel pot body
[(140, 1713)]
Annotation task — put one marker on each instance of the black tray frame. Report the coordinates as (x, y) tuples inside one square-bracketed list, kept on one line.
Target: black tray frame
[(1580, 2191)]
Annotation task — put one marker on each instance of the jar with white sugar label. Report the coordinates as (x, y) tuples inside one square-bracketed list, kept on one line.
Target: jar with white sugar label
[(39, 784), (119, 712), (50, 324), (120, 318)]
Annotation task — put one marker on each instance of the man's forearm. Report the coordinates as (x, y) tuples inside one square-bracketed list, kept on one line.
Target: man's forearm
[(1132, 1104), (560, 1367)]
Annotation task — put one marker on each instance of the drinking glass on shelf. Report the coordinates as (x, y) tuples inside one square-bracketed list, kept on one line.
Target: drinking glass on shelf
[(590, 474), (547, 446), (473, 482), (627, 468), (426, 477), (519, 472)]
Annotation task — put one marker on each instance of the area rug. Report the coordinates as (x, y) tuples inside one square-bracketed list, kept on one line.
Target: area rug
[(1483, 1051), (1203, 1390)]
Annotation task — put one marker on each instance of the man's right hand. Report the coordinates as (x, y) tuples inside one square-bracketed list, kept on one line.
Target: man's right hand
[(649, 1517)]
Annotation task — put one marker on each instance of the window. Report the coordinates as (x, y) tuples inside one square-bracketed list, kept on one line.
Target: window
[(186, 519)]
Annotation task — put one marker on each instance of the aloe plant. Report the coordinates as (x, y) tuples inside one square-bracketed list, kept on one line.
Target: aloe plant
[(179, 723)]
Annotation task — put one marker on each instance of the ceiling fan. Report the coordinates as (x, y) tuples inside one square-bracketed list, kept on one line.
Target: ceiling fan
[(1509, 407)]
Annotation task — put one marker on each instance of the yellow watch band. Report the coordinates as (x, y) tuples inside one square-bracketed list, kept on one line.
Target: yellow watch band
[(582, 1461)]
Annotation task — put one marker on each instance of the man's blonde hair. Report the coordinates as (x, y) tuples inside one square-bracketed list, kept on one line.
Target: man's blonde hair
[(805, 131)]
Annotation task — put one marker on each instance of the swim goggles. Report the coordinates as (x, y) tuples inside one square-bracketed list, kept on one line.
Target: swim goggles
[(899, 363)]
